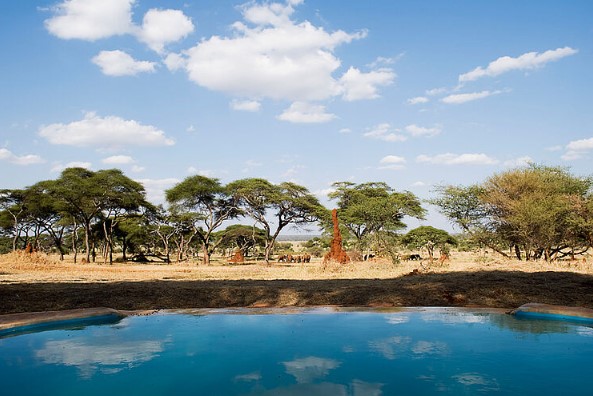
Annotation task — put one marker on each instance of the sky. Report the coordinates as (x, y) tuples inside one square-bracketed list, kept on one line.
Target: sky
[(416, 94)]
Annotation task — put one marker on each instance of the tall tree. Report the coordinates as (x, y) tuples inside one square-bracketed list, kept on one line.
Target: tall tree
[(374, 208), (537, 211), (91, 197), (210, 204), (276, 205), (429, 238), (12, 204)]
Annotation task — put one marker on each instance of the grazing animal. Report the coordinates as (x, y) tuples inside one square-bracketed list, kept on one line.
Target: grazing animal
[(368, 256), (306, 258), (413, 257)]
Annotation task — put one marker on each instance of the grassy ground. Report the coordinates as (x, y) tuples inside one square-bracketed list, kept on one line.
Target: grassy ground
[(40, 283)]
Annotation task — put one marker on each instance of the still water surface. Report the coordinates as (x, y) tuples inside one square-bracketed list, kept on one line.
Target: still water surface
[(312, 352)]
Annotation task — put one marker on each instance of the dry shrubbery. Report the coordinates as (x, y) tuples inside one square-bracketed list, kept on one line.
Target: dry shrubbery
[(22, 260)]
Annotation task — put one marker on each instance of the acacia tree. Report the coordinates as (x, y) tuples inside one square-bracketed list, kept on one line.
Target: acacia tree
[(89, 197), (11, 204), (537, 211), (374, 208), (429, 238), (208, 202), (121, 197), (276, 205), (242, 237), (41, 209)]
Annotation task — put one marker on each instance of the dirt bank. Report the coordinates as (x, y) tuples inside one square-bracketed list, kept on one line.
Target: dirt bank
[(496, 289)]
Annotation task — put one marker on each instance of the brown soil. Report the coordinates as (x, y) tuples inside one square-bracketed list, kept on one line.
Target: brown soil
[(465, 282)]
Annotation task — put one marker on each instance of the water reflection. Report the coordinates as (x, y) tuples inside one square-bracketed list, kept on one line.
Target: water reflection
[(307, 369), (104, 354), (352, 354)]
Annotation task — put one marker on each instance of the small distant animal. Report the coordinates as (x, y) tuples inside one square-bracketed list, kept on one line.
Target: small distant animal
[(412, 257), (368, 256)]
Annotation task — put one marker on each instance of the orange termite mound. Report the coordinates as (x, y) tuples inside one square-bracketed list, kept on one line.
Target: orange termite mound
[(336, 252), (238, 257)]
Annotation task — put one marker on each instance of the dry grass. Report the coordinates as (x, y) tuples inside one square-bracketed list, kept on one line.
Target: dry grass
[(38, 282)]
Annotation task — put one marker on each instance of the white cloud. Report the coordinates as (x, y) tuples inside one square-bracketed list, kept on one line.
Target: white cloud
[(90, 19), (468, 97), (155, 188), (527, 61), (104, 132), (457, 159), (192, 170), (161, 27), (345, 130), (416, 130), (29, 159), (418, 100), (581, 145), (174, 62), (419, 184), (436, 91), (518, 162), (358, 85), (393, 159), (392, 162), (303, 112), (269, 55), (385, 132), (577, 149), (138, 168), (245, 105), (118, 160), (118, 63), (58, 167)]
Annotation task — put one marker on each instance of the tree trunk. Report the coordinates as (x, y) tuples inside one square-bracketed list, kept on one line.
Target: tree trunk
[(206, 254)]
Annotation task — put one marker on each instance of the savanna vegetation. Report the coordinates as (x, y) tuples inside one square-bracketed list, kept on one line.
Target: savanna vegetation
[(530, 213), (525, 236)]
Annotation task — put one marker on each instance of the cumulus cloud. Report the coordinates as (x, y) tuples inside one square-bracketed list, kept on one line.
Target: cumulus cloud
[(29, 159), (104, 132), (155, 188), (392, 162), (418, 100), (174, 62), (385, 132), (90, 19), (468, 97), (118, 63), (161, 27), (303, 112), (518, 162), (245, 105), (457, 159), (358, 85), (416, 130), (577, 149), (58, 166), (269, 55), (527, 61), (118, 160)]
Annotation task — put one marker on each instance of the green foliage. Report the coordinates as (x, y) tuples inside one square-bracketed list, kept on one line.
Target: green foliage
[(239, 236), (538, 211), (370, 208), (429, 238), (276, 205), (206, 204)]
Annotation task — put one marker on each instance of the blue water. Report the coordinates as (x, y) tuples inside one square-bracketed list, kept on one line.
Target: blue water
[(316, 352)]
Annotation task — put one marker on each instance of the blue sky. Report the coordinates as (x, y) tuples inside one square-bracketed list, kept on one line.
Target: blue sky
[(412, 93)]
